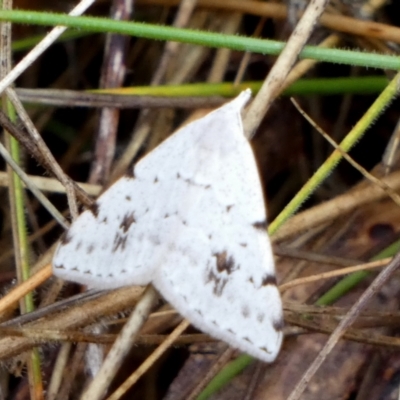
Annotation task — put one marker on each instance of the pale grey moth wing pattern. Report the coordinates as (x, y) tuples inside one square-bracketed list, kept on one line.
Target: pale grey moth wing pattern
[(191, 220)]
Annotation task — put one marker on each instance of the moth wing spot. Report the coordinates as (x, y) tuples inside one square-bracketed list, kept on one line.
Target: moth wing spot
[(155, 240), (119, 242), (127, 221), (262, 225), (225, 263), (218, 282), (265, 350), (268, 280), (278, 324), (172, 247), (245, 312)]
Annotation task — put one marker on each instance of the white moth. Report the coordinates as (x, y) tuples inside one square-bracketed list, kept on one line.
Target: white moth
[(191, 220)]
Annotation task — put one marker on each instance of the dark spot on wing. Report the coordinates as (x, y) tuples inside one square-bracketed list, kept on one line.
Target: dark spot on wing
[(225, 263), (260, 318), (166, 216), (155, 240), (171, 247), (265, 350), (88, 272), (210, 236), (94, 209), (260, 225), (119, 242), (110, 275), (231, 331), (127, 221), (128, 198), (278, 324), (184, 222), (105, 220), (245, 312), (123, 271), (78, 246), (218, 282), (155, 180), (243, 244), (247, 340), (60, 266), (75, 269), (228, 208), (198, 312), (90, 249), (268, 280), (192, 182), (66, 238)]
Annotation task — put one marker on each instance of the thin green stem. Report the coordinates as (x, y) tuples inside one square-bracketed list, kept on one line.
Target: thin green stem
[(348, 142), (320, 86), (209, 39), (352, 280), (31, 41), (225, 376)]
